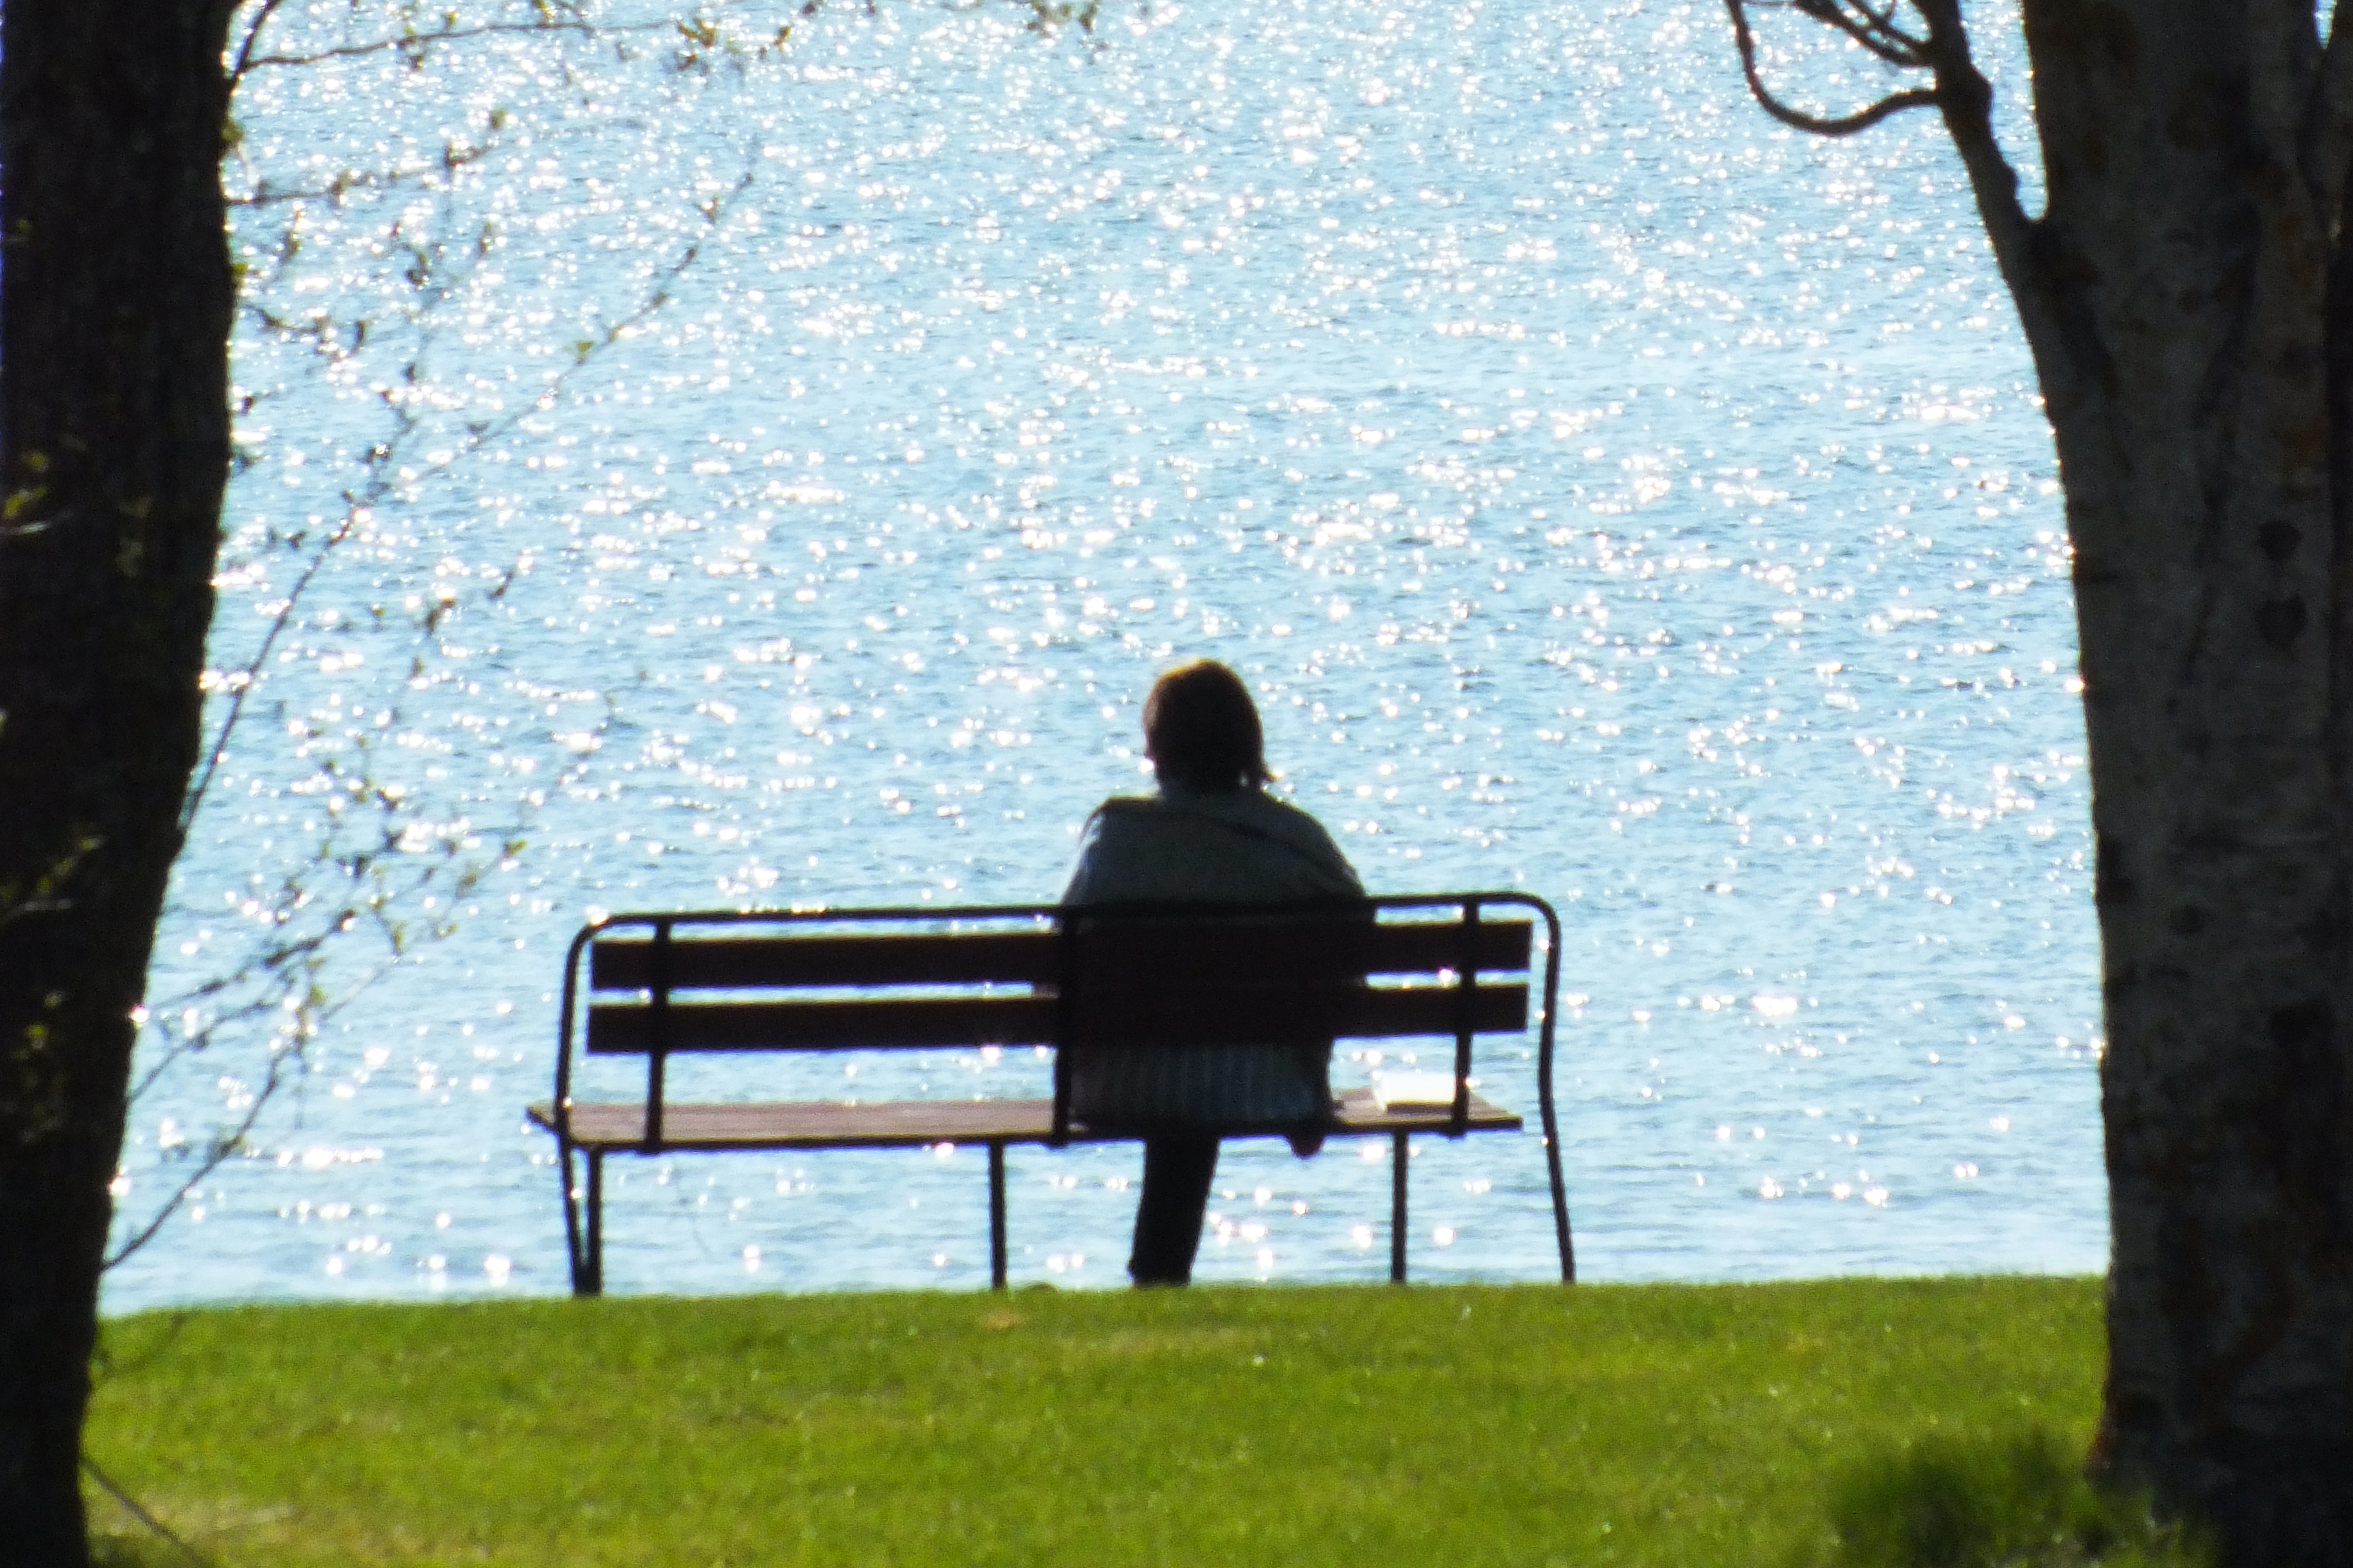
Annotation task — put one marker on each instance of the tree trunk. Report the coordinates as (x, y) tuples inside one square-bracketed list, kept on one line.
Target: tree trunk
[(2188, 299), (2191, 318), (114, 311)]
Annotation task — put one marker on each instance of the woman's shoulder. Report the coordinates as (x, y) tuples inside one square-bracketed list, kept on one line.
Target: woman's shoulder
[(1126, 821), (1122, 811), (1187, 845), (1270, 817), (1253, 814), (1263, 809)]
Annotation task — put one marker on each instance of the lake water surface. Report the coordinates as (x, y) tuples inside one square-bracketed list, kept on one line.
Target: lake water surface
[(1609, 494)]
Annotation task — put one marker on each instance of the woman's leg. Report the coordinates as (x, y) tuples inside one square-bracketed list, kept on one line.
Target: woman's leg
[(1178, 1169)]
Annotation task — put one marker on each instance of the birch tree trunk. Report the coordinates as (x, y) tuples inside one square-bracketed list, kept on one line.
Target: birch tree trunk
[(114, 315), (2192, 319), (2188, 299)]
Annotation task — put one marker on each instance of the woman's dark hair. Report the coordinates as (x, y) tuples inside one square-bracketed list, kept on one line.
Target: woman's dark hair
[(1201, 729)]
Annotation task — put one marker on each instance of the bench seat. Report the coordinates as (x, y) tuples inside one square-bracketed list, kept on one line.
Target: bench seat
[(919, 1123)]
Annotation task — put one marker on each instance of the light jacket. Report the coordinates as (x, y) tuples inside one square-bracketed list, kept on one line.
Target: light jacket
[(1242, 847)]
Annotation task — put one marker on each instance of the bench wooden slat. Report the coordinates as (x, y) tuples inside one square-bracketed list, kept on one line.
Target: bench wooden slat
[(1424, 947), (1160, 979), (811, 1124), (1178, 952), (1358, 1113), (877, 1023), (1013, 957), (899, 1022), (1145, 1016), (899, 1124), (751, 963), (1384, 1013)]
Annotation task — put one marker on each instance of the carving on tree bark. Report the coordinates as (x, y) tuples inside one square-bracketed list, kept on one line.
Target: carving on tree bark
[(2189, 302)]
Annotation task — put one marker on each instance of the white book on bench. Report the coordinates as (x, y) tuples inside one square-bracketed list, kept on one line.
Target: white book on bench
[(1412, 1090)]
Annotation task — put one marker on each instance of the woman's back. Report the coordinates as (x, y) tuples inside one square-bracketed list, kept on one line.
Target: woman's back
[(1213, 835), (1240, 846)]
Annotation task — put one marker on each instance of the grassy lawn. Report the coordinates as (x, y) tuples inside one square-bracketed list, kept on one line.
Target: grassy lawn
[(1671, 1425)]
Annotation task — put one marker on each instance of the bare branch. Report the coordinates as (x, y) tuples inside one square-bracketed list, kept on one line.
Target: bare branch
[(283, 957), (455, 155), (453, 158), (1883, 22), (113, 1488), (1875, 30), (17, 901), (550, 19), (104, 1364), (415, 43), (261, 16), (1967, 98), (361, 500), (1815, 124), (224, 1144), (194, 798), (287, 966)]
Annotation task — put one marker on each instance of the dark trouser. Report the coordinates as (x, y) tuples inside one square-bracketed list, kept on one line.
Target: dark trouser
[(1177, 1168)]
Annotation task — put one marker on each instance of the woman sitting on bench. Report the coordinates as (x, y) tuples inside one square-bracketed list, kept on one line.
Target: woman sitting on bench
[(1211, 834)]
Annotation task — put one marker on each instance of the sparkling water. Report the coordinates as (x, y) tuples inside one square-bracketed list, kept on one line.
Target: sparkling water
[(797, 463)]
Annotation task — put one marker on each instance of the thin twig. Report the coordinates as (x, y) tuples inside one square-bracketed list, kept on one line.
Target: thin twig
[(223, 1146), (105, 1368), (1876, 32), (252, 671), (252, 36), (450, 33), (1819, 125), (108, 1484), (1885, 21), (246, 58), (303, 955), (284, 956), (360, 502), (453, 158), (418, 41)]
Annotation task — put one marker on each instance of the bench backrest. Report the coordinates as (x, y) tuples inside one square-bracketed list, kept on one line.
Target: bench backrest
[(1155, 980), (1456, 965)]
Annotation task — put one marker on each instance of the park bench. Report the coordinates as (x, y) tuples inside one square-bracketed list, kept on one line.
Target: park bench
[(1453, 966)]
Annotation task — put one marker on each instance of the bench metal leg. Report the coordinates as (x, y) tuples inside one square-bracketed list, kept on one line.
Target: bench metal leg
[(570, 1213), (1560, 1201), (1399, 1152), (996, 1217), (593, 1283)]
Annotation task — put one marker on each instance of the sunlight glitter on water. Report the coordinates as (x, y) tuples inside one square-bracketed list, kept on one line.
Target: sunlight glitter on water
[(1607, 493)]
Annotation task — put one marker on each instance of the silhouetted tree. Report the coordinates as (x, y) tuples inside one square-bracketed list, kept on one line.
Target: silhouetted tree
[(115, 295), (2187, 295)]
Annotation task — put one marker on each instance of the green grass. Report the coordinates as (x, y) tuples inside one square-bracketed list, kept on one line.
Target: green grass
[(1986, 1502), (1682, 1424)]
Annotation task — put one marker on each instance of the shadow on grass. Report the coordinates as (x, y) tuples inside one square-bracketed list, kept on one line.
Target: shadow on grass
[(140, 1551), (2015, 1502)]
